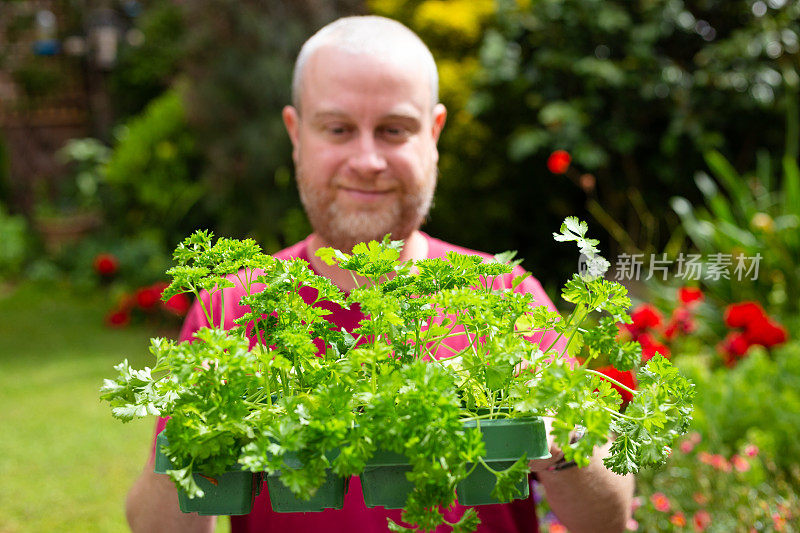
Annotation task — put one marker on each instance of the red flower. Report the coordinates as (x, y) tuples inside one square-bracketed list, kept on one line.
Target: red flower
[(689, 443), (701, 520), (636, 504), (626, 378), (147, 297), (741, 314), (660, 502), (716, 460), (559, 161), (765, 332), (627, 331), (106, 265), (650, 346), (681, 322), (678, 519), (733, 347), (671, 330), (758, 329), (719, 462), (160, 286), (646, 317), (688, 295), (178, 304), (740, 463), (778, 522), (118, 318)]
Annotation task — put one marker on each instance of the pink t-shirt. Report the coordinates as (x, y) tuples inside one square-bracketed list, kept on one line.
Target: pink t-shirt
[(517, 516)]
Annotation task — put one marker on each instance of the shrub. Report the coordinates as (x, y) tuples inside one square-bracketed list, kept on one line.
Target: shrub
[(153, 171), (634, 91), (14, 243), (753, 217), (702, 490)]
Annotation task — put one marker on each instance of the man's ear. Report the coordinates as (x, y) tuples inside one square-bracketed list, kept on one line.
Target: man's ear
[(439, 117), (291, 119)]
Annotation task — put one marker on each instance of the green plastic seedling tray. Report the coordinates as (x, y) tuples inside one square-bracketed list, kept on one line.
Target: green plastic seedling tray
[(232, 493), (506, 440), (383, 481), (330, 494)]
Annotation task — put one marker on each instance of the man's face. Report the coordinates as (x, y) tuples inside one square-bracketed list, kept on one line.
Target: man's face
[(364, 146)]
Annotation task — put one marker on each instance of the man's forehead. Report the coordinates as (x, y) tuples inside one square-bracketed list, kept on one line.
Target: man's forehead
[(332, 70)]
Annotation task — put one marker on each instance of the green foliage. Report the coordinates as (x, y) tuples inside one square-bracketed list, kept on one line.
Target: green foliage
[(661, 410), (153, 171), (508, 480), (145, 70), (600, 340), (442, 343), (142, 261), (752, 220), (239, 56), (424, 395), (738, 463), (709, 491), (4, 170), (635, 91), (38, 78), (83, 188), (757, 401), (14, 244)]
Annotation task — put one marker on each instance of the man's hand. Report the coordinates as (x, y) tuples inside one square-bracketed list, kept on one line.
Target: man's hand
[(592, 498), (152, 507), (556, 455)]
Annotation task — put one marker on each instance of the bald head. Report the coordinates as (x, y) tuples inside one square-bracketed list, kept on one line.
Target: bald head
[(379, 37)]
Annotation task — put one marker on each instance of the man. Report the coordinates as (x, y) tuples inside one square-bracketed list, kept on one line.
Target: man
[(364, 125)]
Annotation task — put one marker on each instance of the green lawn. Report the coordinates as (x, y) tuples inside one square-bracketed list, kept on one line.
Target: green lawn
[(65, 464)]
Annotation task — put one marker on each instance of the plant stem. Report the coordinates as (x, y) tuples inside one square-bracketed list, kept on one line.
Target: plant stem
[(558, 337), (355, 280), (209, 314), (487, 467), (612, 380), (417, 328), (488, 416), (617, 414), (222, 306), (441, 338)]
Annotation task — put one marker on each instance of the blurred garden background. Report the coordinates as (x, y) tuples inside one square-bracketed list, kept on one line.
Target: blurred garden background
[(671, 126)]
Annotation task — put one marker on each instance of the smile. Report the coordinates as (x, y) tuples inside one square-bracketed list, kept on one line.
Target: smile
[(365, 194)]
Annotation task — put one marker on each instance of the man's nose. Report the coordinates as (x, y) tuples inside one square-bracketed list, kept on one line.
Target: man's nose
[(367, 159)]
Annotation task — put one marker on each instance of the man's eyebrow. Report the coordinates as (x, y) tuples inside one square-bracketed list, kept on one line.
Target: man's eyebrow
[(406, 117), (322, 115)]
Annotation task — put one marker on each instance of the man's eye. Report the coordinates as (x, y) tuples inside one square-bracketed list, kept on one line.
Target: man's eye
[(337, 129), (395, 132)]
